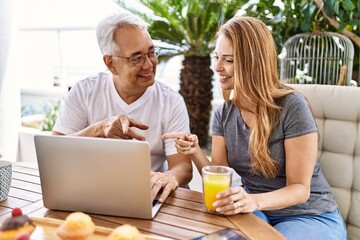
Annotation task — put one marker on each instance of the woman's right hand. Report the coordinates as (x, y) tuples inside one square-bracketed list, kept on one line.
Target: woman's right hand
[(185, 143)]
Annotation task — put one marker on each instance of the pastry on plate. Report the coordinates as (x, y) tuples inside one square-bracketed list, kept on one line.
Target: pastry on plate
[(126, 232), (77, 226), (15, 226)]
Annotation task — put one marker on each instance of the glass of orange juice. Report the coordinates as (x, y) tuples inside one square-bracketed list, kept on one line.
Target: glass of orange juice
[(215, 179)]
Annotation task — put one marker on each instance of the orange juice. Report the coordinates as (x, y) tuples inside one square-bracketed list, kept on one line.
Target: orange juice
[(212, 185)]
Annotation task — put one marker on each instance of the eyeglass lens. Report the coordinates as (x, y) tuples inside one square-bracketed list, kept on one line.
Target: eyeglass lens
[(139, 60)]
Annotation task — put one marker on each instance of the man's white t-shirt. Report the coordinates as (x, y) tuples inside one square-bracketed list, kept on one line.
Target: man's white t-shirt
[(95, 98)]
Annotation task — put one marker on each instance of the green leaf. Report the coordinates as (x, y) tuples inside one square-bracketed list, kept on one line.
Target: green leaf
[(358, 5), (308, 10), (329, 7), (351, 16), (355, 22), (348, 5), (341, 13), (261, 5), (342, 26), (305, 26), (336, 7)]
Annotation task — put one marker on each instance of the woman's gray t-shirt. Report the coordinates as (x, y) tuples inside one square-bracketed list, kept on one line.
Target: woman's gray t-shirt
[(295, 120)]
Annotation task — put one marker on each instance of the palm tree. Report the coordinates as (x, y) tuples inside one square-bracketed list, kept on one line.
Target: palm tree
[(188, 27)]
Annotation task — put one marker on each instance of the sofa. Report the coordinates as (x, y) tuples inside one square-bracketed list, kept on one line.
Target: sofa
[(337, 113)]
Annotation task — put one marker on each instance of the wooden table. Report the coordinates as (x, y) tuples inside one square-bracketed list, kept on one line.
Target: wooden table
[(181, 217)]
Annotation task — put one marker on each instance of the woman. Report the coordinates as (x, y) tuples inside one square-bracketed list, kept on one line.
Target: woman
[(266, 132)]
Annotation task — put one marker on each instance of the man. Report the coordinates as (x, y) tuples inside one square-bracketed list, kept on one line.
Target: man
[(128, 103)]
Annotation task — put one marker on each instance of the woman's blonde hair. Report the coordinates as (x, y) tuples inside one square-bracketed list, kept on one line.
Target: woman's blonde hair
[(256, 82)]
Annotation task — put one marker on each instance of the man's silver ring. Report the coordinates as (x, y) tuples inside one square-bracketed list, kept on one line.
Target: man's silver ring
[(236, 205)]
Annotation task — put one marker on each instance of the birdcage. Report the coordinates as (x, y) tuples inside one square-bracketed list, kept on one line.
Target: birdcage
[(317, 58)]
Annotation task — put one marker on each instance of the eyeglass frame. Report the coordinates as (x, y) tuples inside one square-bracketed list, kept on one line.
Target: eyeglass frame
[(141, 56)]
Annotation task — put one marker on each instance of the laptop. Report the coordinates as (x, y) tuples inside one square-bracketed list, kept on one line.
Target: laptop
[(96, 175)]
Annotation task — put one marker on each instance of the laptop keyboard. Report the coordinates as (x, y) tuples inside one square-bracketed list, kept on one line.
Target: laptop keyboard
[(156, 200)]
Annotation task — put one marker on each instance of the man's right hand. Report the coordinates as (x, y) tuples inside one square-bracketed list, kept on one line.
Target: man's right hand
[(120, 127)]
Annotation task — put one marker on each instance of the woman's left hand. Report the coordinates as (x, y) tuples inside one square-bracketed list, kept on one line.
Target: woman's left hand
[(235, 200)]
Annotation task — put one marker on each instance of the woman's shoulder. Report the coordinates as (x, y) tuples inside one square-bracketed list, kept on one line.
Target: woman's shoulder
[(291, 99), (225, 106), (225, 110)]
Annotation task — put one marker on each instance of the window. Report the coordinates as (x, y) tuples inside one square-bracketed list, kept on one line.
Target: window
[(56, 47)]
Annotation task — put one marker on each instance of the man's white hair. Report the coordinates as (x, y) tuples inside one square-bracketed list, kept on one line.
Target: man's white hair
[(107, 27)]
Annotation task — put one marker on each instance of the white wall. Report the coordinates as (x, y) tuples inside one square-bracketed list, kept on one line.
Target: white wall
[(9, 88)]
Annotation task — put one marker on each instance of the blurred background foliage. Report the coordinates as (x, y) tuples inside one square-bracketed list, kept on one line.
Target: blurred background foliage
[(42, 118), (299, 16)]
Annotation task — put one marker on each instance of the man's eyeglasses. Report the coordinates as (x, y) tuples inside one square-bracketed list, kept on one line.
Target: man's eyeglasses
[(139, 59)]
